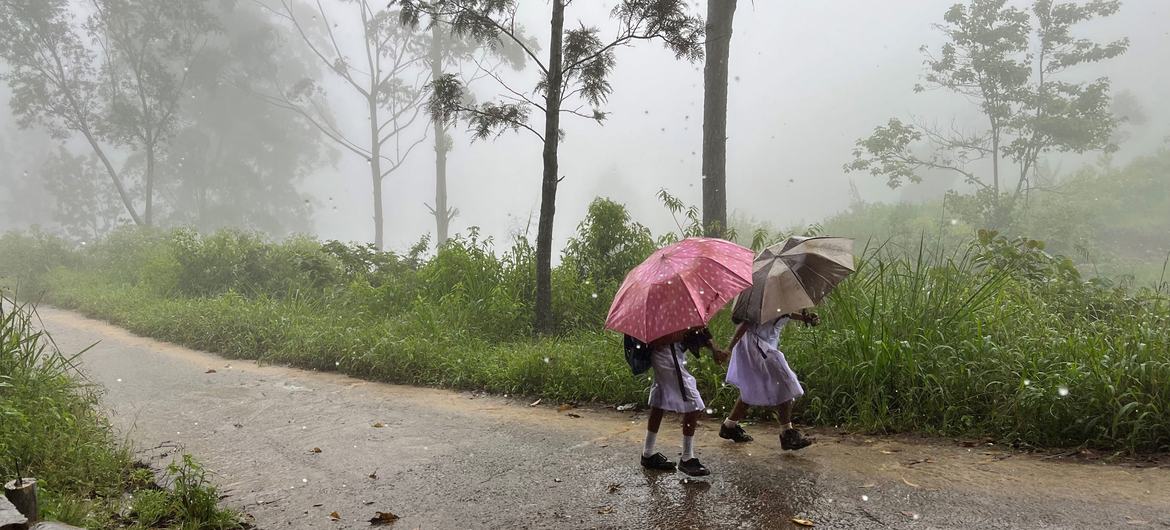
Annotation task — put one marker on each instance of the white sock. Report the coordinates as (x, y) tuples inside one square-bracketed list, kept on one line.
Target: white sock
[(648, 447), (688, 448), (730, 423)]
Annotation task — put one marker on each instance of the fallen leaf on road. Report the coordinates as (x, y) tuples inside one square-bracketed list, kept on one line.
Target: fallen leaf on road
[(374, 475), (911, 515), (920, 461), (888, 452), (604, 510), (867, 485), (210, 371), (534, 403), (613, 488), (315, 450), (318, 505), (335, 516), (556, 480), (383, 518), (572, 415), (238, 425), (911, 484), (565, 406), (803, 522), (379, 425)]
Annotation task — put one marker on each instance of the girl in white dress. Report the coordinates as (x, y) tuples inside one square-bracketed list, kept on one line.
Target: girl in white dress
[(675, 390), (760, 371)]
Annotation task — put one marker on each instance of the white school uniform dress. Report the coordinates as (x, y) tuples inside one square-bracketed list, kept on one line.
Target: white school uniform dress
[(758, 367), (674, 388)]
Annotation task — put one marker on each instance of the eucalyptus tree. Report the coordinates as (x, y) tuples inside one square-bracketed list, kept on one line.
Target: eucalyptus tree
[(381, 65), (574, 75), (720, 14), (1028, 109)]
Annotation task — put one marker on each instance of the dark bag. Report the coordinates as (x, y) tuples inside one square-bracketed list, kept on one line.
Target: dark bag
[(637, 355)]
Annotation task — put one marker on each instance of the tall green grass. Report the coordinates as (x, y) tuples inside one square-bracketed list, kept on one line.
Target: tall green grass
[(50, 429), (973, 339)]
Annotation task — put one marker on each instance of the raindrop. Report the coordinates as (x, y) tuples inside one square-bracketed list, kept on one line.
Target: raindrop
[(865, 498), (119, 380), (594, 295), (710, 411), (954, 222), (1062, 391), (305, 480), (1027, 382), (303, 427), (185, 69), (336, 363), (547, 360)]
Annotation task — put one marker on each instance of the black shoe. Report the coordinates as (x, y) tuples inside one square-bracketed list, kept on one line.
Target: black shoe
[(735, 434), (658, 462), (693, 468), (793, 440)]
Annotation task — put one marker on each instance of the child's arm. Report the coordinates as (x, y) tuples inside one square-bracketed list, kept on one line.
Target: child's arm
[(808, 317)]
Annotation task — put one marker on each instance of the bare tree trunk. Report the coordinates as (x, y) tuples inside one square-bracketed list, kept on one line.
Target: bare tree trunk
[(719, 16), (443, 214), (122, 194), (552, 119), (376, 171), (149, 183)]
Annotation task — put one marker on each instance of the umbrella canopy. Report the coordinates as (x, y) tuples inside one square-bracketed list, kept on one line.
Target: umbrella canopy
[(678, 287), (794, 274)]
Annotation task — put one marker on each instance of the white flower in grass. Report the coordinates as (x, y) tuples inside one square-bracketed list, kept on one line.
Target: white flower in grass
[(1062, 391), (1027, 382)]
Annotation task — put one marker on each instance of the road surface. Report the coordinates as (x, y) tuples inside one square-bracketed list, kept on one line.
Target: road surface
[(445, 459)]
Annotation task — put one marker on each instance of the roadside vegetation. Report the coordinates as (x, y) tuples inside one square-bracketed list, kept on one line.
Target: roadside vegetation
[(51, 429), (988, 336)]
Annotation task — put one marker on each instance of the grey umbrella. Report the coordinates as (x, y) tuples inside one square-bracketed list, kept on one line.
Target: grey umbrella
[(794, 274)]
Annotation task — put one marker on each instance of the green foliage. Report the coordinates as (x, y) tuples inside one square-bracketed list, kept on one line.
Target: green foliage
[(1028, 109), (952, 335), (609, 243), (50, 429)]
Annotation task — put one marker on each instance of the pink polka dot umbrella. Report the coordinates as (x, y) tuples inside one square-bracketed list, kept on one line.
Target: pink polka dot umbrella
[(678, 287)]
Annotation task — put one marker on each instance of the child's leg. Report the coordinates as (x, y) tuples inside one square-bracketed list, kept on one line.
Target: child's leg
[(790, 438), (730, 430), (737, 413), (784, 410), (690, 421), (652, 424)]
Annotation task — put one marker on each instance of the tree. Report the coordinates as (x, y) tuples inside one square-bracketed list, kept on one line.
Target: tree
[(148, 47), (578, 66), (54, 79), (127, 94), (449, 50), (388, 78), (719, 17), (1028, 110), (86, 208), (234, 162)]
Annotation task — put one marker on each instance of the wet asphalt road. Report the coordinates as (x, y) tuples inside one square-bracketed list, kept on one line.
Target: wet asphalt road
[(446, 459)]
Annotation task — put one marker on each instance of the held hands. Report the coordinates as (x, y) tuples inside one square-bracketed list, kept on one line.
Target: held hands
[(721, 356), (809, 318)]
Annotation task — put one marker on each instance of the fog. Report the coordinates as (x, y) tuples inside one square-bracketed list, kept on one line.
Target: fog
[(807, 80)]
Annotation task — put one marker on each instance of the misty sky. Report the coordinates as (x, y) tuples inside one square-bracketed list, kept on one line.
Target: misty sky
[(807, 79)]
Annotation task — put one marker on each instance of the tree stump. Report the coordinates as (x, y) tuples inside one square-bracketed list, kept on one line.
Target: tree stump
[(24, 497)]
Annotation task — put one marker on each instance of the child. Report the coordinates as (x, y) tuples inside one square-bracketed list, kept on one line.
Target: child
[(674, 389), (764, 378)]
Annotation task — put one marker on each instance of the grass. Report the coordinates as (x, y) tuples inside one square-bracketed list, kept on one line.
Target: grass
[(50, 429), (991, 337), (979, 342)]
